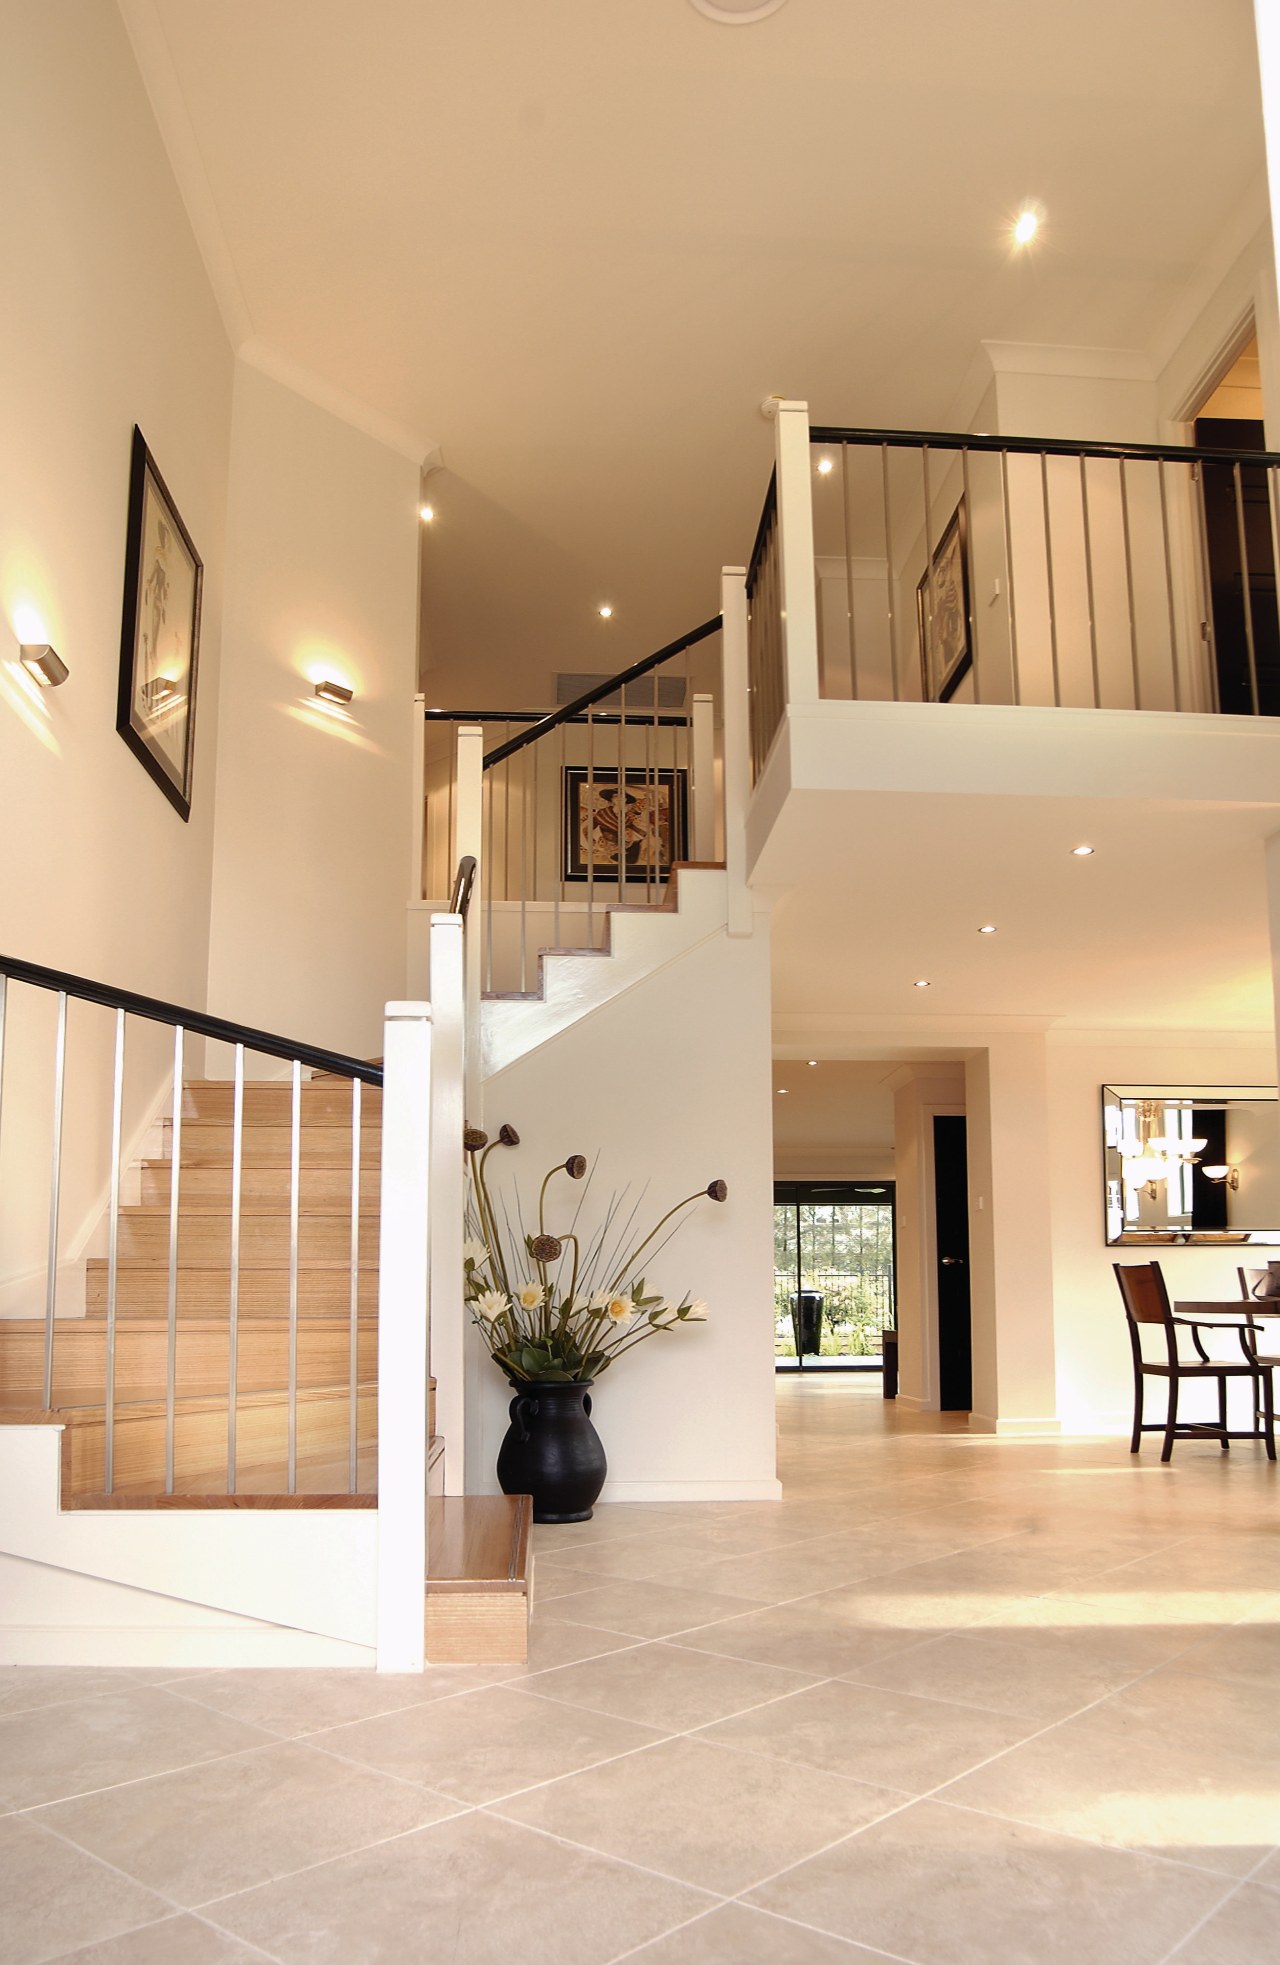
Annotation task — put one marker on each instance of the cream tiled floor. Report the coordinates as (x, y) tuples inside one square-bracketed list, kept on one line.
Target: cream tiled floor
[(954, 1702)]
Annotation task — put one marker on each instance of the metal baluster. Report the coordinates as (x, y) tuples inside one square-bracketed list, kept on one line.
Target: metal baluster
[(848, 568), (590, 830), (1244, 588), (490, 871), (651, 796), (233, 1308), (1275, 531), (524, 870), (450, 856), (55, 1182), (968, 584), (175, 1185), (564, 842), (534, 890), (353, 1341), (1208, 636), (620, 849), (1168, 579), (1088, 581), (1008, 574), (1048, 561), (4, 1003), (295, 1157), (1128, 582), (888, 572), (113, 1260), (928, 563)]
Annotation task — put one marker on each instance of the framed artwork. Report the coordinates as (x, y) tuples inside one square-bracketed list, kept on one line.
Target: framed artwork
[(942, 612), (160, 637), (640, 820)]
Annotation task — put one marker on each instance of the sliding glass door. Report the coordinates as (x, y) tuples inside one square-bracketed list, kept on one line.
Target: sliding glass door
[(833, 1273)]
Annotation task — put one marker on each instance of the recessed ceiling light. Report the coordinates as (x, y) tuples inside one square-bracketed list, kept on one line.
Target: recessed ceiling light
[(1025, 226), (605, 612), (812, 1062), (737, 13), (426, 513), (988, 928), (782, 1091), (1081, 852), (826, 466), (922, 984)]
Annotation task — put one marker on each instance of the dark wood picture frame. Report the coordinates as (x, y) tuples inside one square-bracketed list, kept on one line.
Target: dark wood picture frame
[(654, 827), (160, 633), (943, 614)]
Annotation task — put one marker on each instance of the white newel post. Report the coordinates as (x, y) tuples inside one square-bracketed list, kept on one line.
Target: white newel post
[(795, 553), (704, 778), (418, 809), (448, 1196), (737, 745), (468, 837), (403, 1336)]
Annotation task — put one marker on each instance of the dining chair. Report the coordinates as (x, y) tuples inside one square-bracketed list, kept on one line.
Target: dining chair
[(1268, 1359), (1146, 1303)]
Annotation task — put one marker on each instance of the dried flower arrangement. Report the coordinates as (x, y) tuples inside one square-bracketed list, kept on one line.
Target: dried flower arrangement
[(550, 1310)]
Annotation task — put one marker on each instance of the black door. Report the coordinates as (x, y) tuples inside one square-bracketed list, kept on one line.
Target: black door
[(1231, 502), (951, 1217)]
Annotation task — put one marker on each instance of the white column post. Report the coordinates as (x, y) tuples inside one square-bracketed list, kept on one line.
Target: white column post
[(448, 1195), (703, 750), (795, 553), (402, 1337), (418, 810), (737, 745), (468, 837)]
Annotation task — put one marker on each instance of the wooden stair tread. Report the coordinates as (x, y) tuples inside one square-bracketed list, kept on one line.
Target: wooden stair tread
[(152, 1502), (478, 1542)]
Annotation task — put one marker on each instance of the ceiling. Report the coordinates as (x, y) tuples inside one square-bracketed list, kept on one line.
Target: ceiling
[(575, 244), (1163, 926)]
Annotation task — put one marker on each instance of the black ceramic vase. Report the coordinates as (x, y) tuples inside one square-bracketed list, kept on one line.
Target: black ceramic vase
[(553, 1452)]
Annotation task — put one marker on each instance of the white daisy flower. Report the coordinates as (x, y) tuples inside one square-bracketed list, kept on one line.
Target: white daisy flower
[(490, 1304), (531, 1296), (475, 1254), (620, 1308)]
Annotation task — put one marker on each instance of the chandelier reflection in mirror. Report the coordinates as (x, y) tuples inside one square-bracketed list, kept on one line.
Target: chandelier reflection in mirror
[(1191, 1163)]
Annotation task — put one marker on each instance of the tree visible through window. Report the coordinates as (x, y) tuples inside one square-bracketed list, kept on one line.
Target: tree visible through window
[(833, 1270)]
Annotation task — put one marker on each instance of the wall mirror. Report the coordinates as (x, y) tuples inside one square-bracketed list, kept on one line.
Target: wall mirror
[(1191, 1163)]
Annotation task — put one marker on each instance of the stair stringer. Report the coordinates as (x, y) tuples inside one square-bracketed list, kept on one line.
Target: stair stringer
[(299, 1583), (576, 982)]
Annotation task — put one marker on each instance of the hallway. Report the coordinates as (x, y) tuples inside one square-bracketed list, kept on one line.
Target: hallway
[(954, 1701)]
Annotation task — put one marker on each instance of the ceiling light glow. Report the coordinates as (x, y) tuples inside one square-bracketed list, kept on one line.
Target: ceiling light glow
[(1025, 227), (922, 984), (825, 467), (605, 612), (1081, 852), (426, 513), (988, 928)]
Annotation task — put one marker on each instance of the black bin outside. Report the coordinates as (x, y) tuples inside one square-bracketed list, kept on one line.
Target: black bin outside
[(891, 1364), (806, 1321)]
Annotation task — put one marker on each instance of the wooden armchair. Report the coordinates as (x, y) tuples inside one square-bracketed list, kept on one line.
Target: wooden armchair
[(1146, 1302)]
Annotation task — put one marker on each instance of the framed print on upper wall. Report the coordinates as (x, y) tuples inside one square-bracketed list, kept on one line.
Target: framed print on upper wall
[(641, 820), (942, 612), (160, 636)]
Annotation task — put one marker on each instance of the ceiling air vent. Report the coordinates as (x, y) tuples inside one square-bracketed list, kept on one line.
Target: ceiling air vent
[(662, 692)]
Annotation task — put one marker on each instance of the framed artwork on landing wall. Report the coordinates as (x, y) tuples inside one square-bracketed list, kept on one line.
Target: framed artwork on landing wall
[(640, 819), (942, 613), (160, 636)]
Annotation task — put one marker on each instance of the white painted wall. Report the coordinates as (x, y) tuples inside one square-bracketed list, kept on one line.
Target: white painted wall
[(670, 1083), (1095, 1380), (309, 863), (835, 1122), (108, 321)]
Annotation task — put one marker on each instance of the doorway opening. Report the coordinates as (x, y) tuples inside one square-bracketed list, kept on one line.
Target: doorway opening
[(1243, 627), (834, 1270)]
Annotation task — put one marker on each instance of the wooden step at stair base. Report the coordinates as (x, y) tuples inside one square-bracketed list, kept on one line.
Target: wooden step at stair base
[(480, 1579)]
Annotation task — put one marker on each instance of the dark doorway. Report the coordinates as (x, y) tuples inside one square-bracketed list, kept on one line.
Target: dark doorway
[(1236, 499), (951, 1217)]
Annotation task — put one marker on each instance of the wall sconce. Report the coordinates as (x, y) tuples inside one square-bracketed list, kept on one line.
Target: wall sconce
[(43, 663), (1223, 1176), (333, 692)]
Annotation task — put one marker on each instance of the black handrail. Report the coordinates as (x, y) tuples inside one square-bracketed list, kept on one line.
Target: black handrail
[(596, 695), (463, 881), (762, 530), (193, 1020), (650, 719), (1037, 447)]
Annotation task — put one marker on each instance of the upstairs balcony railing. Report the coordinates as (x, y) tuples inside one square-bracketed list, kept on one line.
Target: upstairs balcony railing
[(912, 566)]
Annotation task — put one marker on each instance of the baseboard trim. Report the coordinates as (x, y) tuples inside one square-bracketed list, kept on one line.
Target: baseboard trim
[(913, 1404), (1015, 1429), (183, 1648)]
